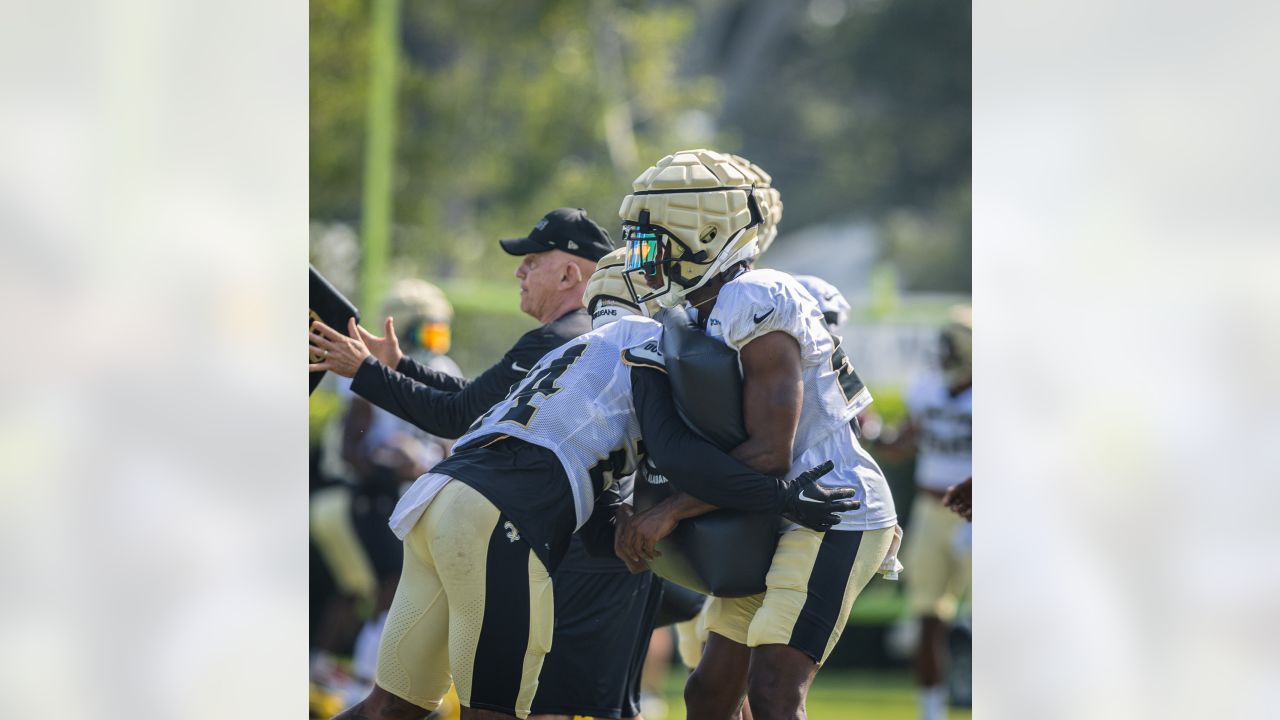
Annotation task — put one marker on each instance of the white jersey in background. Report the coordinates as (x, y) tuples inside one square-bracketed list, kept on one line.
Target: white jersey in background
[(384, 427), (577, 403), (759, 302), (831, 302), (944, 426)]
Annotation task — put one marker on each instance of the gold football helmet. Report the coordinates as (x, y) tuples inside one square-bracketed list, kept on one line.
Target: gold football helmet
[(957, 347), (422, 314), (691, 216), (607, 296)]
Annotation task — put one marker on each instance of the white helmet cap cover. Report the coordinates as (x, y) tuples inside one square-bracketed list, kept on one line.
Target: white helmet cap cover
[(769, 200), (691, 216)]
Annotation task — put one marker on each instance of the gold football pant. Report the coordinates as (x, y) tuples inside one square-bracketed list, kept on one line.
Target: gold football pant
[(335, 537), (810, 588), (937, 571), (691, 636), (474, 606)]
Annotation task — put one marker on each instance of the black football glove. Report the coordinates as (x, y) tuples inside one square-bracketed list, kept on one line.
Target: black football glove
[(816, 506)]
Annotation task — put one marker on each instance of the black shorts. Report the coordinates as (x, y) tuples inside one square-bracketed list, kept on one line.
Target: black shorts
[(603, 624)]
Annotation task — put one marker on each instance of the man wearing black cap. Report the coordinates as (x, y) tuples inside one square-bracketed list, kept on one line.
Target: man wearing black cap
[(604, 615)]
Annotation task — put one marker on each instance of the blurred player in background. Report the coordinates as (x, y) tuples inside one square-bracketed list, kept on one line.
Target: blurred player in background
[(391, 453), (374, 455), (940, 430), (831, 302)]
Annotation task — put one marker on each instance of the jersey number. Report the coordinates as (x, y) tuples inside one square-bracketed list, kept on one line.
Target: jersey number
[(541, 383), (605, 473), (849, 381)]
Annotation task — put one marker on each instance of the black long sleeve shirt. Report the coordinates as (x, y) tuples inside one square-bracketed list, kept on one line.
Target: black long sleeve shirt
[(446, 406)]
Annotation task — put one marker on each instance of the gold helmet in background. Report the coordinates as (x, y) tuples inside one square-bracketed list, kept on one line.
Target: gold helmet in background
[(691, 216), (957, 347), (607, 297), (422, 314)]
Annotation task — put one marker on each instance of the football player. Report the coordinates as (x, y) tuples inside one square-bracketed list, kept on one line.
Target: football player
[(940, 430), (692, 634), (691, 226), (484, 530)]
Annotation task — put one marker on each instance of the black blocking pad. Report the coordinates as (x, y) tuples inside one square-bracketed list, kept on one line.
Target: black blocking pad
[(725, 552), (706, 382), (330, 307)]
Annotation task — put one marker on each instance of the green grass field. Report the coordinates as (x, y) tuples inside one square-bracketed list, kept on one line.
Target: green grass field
[(839, 694)]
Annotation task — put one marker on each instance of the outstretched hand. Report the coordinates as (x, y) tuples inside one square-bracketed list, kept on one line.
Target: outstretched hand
[(337, 352), (385, 349), (815, 506)]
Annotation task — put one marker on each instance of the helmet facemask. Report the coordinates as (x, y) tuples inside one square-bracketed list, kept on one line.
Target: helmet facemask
[(608, 295), (652, 253)]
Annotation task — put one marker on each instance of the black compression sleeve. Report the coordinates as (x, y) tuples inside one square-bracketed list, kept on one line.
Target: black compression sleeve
[(435, 411), (692, 464), (427, 376), (443, 413)]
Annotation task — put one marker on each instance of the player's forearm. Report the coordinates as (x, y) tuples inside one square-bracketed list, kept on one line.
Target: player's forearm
[(693, 465), (684, 506), (431, 378), (764, 457), (440, 413)]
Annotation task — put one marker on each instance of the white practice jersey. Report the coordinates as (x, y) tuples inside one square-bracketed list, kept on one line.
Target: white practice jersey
[(944, 426), (577, 403), (759, 302)]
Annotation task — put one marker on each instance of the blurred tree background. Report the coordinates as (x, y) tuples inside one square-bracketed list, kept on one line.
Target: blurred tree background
[(860, 109)]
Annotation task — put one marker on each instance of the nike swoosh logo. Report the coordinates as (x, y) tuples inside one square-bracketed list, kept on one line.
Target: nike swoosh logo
[(760, 318), (829, 298), (517, 368)]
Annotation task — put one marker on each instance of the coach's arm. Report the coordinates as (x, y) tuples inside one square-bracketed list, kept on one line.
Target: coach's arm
[(442, 404)]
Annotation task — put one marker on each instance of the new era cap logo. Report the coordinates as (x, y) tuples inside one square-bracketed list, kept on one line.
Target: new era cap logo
[(573, 245)]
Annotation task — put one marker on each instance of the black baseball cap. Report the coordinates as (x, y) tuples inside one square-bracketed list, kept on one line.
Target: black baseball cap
[(567, 229)]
